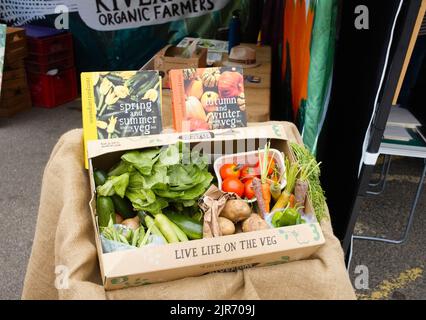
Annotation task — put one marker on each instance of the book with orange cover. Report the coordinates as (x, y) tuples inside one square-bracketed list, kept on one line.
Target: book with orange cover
[(208, 98)]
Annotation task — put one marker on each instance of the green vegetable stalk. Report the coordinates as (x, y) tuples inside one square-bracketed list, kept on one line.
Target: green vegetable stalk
[(315, 191)]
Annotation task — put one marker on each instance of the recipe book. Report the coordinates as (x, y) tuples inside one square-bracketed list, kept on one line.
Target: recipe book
[(120, 104), (208, 98)]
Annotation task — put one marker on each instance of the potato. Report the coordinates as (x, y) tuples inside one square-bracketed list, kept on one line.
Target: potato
[(133, 223), (236, 210), (118, 219), (226, 226), (254, 223)]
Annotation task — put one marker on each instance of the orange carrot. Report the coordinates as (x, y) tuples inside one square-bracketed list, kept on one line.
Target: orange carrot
[(264, 168), (266, 195), (292, 201)]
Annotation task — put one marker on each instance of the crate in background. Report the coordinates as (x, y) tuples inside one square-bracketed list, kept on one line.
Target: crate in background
[(50, 45), (49, 91), (62, 64), (45, 60), (16, 46), (15, 95)]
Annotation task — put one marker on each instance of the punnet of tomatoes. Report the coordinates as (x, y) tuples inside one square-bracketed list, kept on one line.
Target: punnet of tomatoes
[(238, 177)]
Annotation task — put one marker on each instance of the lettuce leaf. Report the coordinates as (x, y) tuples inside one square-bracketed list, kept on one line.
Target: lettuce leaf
[(120, 168), (155, 179), (141, 197), (142, 161), (146, 200), (114, 185), (170, 155)]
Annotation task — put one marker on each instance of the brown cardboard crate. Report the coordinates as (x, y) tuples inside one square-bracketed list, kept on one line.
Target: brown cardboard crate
[(169, 58), (150, 264)]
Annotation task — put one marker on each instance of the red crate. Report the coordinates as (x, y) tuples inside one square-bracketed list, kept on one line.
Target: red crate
[(50, 45), (62, 64), (49, 58), (52, 91)]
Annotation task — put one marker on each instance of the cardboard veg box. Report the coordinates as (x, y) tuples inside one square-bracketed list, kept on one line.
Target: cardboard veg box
[(150, 264)]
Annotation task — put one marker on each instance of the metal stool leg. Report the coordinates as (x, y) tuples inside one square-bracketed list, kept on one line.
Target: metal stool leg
[(410, 217), (383, 175)]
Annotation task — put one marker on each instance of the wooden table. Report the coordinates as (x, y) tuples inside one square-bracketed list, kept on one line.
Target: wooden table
[(257, 94)]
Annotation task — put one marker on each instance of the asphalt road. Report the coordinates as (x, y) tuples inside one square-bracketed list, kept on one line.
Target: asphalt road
[(26, 140), (395, 271)]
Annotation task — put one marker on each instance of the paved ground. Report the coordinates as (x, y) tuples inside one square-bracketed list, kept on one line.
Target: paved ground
[(395, 272), (26, 141)]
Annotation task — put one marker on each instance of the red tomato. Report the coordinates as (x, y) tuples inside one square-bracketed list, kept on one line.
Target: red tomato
[(248, 172), (270, 163), (233, 185), (248, 189), (230, 170)]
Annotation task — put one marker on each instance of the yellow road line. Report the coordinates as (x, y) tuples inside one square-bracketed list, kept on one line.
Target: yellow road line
[(386, 287)]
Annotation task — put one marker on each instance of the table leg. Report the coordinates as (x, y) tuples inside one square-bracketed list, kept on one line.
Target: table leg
[(383, 175), (410, 217)]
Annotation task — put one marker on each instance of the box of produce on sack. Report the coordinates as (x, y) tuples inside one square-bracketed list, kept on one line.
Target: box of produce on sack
[(162, 211)]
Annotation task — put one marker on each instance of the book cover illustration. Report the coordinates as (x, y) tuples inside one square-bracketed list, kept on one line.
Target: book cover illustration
[(121, 104), (208, 98)]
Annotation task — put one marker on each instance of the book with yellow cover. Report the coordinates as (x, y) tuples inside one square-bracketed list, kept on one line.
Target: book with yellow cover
[(208, 98), (120, 104)]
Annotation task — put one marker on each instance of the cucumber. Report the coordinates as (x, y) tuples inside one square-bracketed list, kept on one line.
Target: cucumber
[(105, 210), (150, 223), (122, 205), (192, 228), (100, 177), (180, 234), (166, 228)]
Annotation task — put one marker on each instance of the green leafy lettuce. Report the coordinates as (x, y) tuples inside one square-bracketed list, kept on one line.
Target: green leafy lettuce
[(115, 185), (173, 177)]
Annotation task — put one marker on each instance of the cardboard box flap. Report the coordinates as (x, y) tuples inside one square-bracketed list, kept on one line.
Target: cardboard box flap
[(100, 147)]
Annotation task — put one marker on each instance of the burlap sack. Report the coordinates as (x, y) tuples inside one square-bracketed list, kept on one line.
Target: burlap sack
[(64, 243)]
